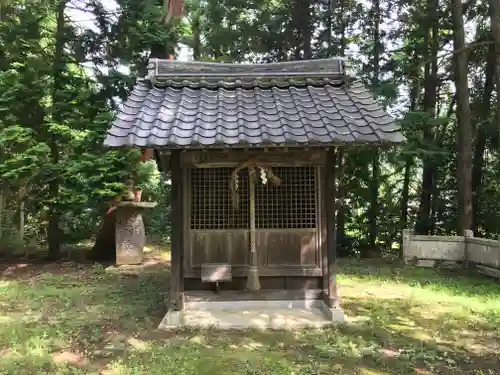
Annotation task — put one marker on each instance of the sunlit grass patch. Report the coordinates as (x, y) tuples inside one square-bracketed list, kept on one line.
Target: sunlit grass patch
[(158, 250), (401, 320)]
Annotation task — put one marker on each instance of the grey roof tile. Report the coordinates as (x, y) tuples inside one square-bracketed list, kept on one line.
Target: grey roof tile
[(216, 113)]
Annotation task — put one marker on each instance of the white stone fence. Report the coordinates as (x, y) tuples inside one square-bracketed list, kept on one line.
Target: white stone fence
[(431, 251)]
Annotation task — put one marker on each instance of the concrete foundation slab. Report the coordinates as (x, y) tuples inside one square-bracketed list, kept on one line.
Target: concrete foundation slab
[(487, 271), (426, 263), (253, 314)]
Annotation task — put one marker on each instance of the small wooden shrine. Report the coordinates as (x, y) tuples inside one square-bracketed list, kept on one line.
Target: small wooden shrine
[(251, 152)]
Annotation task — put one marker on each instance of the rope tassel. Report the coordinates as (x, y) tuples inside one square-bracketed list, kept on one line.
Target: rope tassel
[(266, 175), (253, 282)]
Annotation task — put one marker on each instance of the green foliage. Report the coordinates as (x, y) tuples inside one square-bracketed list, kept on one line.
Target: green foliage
[(55, 107), (157, 189), (143, 174), (21, 157), (55, 114)]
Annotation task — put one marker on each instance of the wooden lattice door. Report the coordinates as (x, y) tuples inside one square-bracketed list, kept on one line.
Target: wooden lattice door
[(217, 232), (286, 218)]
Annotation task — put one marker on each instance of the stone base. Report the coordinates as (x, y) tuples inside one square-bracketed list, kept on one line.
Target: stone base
[(172, 320), (335, 315), (289, 314), (432, 263), (449, 264), (426, 263), (487, 271)]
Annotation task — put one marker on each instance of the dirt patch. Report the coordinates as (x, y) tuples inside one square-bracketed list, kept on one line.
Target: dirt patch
[(65, 358), (25, 271), (31, 270)]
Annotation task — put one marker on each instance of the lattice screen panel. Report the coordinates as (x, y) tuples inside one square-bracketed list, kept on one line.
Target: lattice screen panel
[(289, 205), (211, 203)]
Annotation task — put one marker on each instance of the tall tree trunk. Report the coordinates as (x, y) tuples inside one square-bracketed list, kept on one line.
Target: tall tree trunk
[(342, 23), (429, 105), (307, 28), (341, 195), (329, 25), (494, 12), (464, 160), (54, 233), (2, 206), (196, 26), (374, 204), (405, 194), (174, 9), (374, 182), (339, 6), (439, 139), (302, 26), (480, 146), (21, 204)]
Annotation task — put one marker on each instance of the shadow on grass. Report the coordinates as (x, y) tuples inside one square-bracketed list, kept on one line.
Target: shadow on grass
[(105, 324), (458, 282), (79, 309)]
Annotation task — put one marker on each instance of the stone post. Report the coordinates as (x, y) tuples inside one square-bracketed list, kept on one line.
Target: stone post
[(406, 244), (467, 234), (129, 233)]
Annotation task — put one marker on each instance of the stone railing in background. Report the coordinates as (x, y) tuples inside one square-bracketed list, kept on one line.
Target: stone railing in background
[(452, 251)]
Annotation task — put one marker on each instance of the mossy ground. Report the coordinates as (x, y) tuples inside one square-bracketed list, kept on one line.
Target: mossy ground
[(70, 318)]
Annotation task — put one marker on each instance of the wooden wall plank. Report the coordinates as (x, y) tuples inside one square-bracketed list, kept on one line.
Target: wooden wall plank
[(239, 271), (210, 159), (275, 284)]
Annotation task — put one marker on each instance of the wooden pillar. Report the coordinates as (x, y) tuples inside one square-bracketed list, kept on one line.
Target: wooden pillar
[(332, 297), (176, 293)]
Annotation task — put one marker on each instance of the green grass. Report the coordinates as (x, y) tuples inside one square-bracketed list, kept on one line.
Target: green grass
[(76, 319)]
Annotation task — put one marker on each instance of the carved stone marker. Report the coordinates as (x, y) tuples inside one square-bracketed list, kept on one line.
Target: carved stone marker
[(129, 233)]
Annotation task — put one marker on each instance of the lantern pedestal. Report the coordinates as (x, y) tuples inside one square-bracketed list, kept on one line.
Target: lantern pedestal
[(130, 235)]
